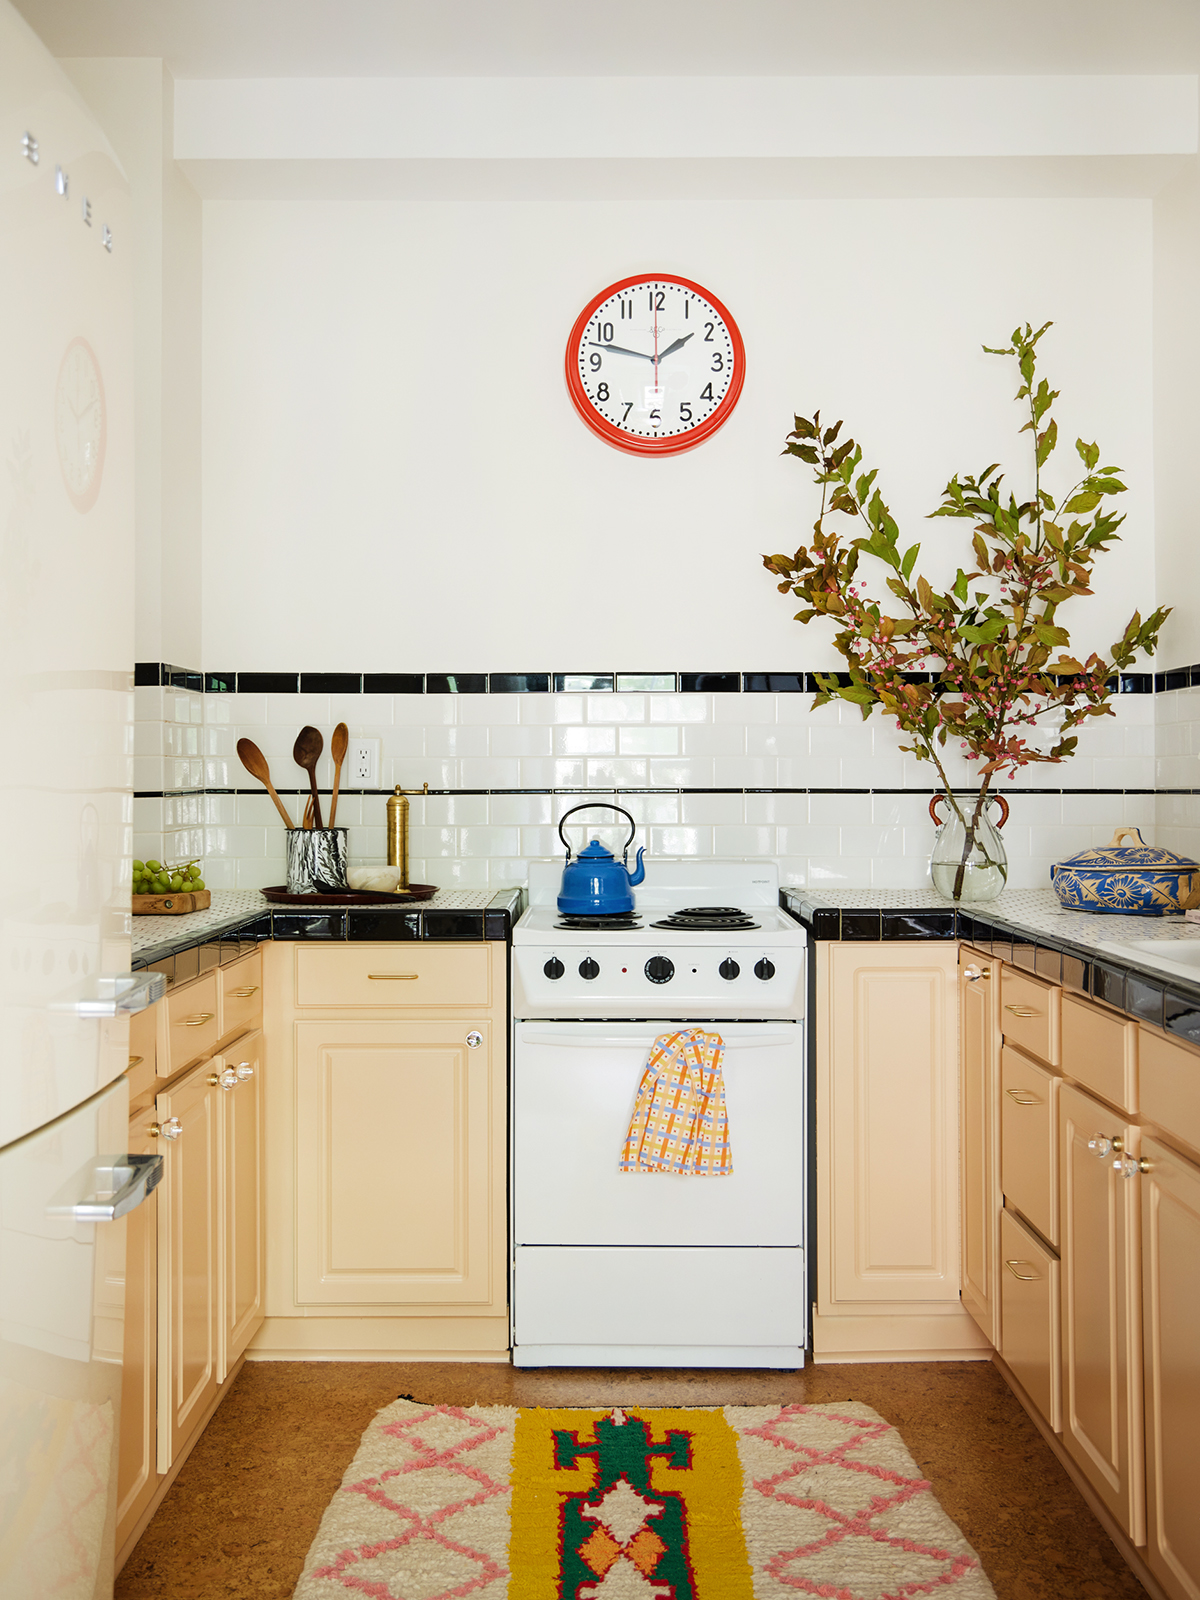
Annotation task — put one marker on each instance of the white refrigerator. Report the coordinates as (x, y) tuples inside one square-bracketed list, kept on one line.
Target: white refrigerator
[(66, 746)]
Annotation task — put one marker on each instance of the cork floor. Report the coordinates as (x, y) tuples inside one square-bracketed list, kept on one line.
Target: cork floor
[(238, 1521)]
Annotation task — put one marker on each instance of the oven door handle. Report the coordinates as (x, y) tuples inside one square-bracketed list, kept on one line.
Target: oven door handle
[(605, 1041)]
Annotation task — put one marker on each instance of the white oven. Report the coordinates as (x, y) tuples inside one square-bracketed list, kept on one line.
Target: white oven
[(655, 1269)]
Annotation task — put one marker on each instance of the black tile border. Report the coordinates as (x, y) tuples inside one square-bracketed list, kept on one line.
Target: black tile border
[(148, 674), (1171, 1004)]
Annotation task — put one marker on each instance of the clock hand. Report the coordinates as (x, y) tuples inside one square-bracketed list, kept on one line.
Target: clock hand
[(678, 345), (620, 350)]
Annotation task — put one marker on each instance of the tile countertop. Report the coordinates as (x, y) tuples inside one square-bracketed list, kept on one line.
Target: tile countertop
[(237, 919), (1030, 929)]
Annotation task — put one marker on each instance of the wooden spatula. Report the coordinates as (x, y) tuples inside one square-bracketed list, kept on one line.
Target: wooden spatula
[(255, 764), (338, 746)]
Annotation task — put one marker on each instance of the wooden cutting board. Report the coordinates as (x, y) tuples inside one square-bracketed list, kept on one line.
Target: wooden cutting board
[(171, 905)]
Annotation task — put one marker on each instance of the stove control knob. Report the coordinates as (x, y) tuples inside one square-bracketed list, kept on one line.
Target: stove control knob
[(729, 968), (764, 968), (659, 969), (588, 968), (554, 968)]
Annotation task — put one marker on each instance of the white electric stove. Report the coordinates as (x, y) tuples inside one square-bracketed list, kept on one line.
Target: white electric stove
[(653, 1269)]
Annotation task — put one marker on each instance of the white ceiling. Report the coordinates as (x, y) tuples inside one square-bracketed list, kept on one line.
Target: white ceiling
[(627, 38)]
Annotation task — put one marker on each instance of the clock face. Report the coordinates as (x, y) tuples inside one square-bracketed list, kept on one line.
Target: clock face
[(655, 364), (80, 424)]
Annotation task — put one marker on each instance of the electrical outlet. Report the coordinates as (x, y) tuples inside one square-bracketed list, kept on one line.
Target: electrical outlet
[(362, 769)]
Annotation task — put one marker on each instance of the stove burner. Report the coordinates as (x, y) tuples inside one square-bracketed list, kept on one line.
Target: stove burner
[(699, 919), (620, 922)]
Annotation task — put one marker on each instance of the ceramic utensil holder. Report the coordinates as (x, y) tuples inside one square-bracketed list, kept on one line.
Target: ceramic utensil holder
[(316, 860)]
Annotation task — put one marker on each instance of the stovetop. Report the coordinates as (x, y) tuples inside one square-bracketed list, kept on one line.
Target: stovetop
[(705, 940)]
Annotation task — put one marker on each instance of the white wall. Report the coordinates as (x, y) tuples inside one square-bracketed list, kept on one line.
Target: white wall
[(394, 478)]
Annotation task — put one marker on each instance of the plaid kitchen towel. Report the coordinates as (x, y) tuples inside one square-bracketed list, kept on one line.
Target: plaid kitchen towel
[(679, 1123)]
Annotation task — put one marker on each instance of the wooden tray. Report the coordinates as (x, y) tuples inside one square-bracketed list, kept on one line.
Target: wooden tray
[(280, 895), (171, 905)]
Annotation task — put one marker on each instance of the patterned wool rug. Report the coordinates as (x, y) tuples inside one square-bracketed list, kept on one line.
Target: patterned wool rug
[(743, 1503)]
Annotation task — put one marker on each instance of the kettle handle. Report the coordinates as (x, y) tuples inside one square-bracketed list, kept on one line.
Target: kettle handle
[(602, 805)]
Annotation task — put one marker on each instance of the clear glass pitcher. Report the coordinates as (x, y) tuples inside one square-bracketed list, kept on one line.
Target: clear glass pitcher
[(969, 863)]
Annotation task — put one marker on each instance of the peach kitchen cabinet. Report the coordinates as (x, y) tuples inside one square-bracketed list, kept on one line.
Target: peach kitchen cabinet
[(888, 1237), (1101, 1304), (979, 1091), (1170, 1185), (386, 1202)]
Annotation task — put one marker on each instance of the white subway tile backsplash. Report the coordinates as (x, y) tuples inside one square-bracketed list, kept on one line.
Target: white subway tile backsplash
[(727, 809), (532, 740), (585, 741), (653, 741), (623, 708), (565, 709), (486, 772), (680, 708), (743, 709), (706, 739)]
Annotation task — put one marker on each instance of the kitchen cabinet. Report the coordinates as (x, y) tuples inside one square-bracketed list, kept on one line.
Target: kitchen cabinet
[(1029, 1319), (386, 1150), (194, 1288), (1101, 1304), (888, 1257), (979, 1090), (1171, 1320), (188, 1117)]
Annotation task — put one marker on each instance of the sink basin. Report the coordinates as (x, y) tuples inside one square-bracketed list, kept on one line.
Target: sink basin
[(1178, 956)]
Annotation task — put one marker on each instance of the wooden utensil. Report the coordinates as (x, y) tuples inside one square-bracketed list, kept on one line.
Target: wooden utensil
[(308, 812), (306, 752), (255, 764), (338, 746)]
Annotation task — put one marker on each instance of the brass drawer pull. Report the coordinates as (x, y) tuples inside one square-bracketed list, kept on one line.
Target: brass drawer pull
[(199, 1021), (135, 1061), (400, 977), (1023, 1097), (1022, 1011), (244, 994), (1025, 1277)]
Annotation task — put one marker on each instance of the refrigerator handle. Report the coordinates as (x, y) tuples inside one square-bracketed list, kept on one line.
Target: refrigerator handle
[(122, 1183), (117, 996)]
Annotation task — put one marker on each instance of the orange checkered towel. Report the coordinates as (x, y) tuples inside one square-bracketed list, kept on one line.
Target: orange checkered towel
[(679, 1123)]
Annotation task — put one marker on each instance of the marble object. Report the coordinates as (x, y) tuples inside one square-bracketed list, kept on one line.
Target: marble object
[(383, 880)]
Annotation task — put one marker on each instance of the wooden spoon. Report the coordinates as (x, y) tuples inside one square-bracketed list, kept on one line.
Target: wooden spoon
[(308, 812), (306, 752), (255, 764), (338, 746)]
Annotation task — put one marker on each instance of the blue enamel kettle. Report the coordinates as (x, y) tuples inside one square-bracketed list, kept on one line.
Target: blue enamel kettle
[(595, 884)]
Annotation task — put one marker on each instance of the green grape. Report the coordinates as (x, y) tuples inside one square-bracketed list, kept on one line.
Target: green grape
[(194, 870), (176, 883), (154, 866), (197, 883), (137, 868)]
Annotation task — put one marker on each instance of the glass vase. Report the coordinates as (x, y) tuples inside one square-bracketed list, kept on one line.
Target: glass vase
[(969, 863)]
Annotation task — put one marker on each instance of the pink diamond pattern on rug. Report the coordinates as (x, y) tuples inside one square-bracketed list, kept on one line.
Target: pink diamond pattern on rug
[(876, 1569), (470, 1569)]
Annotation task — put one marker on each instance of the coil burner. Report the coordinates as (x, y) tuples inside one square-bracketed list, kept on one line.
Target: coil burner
[(620, 922), (704, 919)]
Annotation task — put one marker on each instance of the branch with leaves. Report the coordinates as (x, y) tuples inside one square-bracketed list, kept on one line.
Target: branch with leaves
[(977, 663)]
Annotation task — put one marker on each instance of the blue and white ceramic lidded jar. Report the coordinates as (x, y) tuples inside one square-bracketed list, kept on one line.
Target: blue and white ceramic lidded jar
[(1135, 879)]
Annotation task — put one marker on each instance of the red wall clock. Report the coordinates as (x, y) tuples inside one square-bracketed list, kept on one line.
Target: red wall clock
[(655, 364)]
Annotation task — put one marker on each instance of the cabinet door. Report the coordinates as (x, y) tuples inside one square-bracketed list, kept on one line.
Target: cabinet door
[(241, 1199), (979, 998), (1030, 1318), (188, 1287), (1171, 1302), (398, 1149), (137, 1468), (893, 1135), (1101, 1316)]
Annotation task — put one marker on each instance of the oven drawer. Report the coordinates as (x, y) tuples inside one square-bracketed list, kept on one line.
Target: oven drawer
[(574, 1087), (618, 1297)]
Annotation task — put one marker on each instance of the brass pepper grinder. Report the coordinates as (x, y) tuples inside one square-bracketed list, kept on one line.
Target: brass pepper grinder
[(397, 830)]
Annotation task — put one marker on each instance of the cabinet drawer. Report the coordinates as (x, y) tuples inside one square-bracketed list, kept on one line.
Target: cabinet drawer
[(1100, 1051), (1029, 1141), (241, 996), (1169, 1085), (191, 1025), (392, 975), (1029, 1317), (1029, 1015), (143, 1052)]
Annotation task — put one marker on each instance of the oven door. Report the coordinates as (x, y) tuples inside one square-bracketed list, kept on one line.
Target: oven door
[(574, 1087)]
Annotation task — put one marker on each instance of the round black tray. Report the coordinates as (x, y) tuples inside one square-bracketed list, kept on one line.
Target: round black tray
[(279, 894)]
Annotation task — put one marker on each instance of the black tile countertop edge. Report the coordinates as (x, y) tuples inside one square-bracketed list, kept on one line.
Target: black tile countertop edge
[(1172, 1004), (495, 921)]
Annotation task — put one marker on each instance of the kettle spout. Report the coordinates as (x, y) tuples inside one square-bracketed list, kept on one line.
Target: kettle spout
[(637, 876)]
